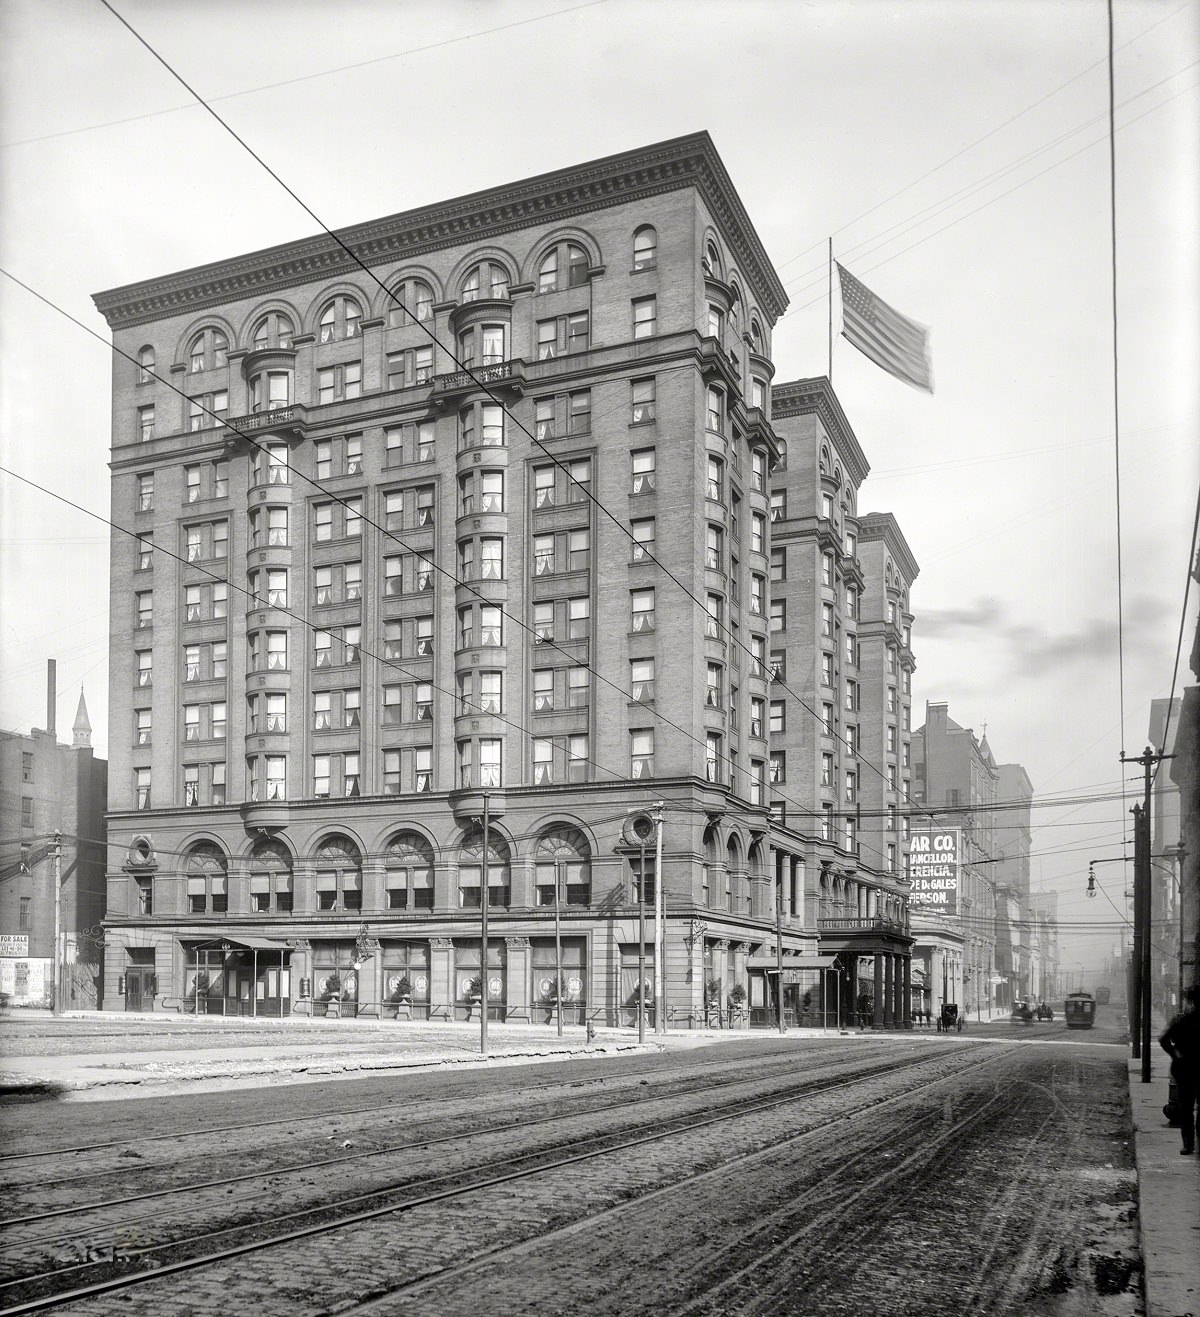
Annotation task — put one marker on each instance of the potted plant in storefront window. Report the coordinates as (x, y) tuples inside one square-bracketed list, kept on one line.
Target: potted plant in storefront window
[(331, 996), (472, 993), (400, 996), (712, 1002), (550, 996), (737, 999)]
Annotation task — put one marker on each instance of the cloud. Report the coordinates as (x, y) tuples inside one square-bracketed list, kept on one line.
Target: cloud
[(987, 615), (1087, 638)]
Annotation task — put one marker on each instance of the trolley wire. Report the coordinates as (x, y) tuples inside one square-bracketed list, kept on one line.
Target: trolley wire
[(482, 385)]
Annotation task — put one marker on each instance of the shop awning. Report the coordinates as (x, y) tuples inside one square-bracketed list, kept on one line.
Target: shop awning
[(248, 941), (771, 965)]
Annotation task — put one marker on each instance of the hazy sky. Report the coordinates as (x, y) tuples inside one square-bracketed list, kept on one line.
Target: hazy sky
[(957, 153)]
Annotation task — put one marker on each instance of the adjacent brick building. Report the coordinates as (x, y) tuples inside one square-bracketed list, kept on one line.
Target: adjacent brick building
[(49, 791)]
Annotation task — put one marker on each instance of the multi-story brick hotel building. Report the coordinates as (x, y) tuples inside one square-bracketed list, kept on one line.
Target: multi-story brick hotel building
[(486, 524)]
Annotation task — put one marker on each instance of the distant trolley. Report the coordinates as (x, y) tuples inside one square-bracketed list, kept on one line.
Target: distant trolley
[(1080, 1010)]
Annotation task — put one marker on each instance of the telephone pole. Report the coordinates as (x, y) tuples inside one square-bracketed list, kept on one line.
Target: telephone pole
[(1142, 908), (56, 958)]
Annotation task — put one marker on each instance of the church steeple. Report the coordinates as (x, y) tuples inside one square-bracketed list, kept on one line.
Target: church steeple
[(81, 737)]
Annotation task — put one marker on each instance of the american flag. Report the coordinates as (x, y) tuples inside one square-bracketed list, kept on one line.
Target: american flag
[(899, 345)]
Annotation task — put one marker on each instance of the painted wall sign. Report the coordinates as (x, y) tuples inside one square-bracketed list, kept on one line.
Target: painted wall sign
[(934, 869)]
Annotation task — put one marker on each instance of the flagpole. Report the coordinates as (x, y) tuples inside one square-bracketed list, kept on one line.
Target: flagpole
[(831, 309)]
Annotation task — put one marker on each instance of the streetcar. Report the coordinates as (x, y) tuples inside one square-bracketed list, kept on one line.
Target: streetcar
[(1080, 1010)]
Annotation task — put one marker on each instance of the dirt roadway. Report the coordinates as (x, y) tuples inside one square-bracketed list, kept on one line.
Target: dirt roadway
[(985, 1178)]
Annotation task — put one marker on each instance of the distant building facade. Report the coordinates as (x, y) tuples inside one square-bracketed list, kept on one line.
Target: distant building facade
[(840, 710), (956, 780), (1166, 862), (49, 789)]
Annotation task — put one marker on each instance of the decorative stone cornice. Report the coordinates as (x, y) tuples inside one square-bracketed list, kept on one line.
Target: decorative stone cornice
[(797, 397), (682, 162), (884, 526)]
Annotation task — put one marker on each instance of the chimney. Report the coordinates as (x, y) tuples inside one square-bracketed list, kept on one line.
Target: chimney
[(51, 695)]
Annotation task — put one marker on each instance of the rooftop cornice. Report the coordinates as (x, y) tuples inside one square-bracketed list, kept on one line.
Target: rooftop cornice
[(884, 526), (682, 162), (798, 397)]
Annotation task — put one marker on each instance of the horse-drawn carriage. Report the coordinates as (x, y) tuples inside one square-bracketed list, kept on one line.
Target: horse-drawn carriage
[(950, 1018)]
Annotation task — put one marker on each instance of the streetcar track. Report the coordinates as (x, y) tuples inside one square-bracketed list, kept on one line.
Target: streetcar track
[(696, 1079), (664, 1128), (926, 1152), (457, 1270), (89, 1231), (323, 1163), (764, 1297), (325, 1115)]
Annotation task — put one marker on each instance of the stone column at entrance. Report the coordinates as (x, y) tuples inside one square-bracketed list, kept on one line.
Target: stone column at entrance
[(878, 1017), (889, 990), (694, 942), (441, 978), (301, 966), (906, 991), (519, 978)]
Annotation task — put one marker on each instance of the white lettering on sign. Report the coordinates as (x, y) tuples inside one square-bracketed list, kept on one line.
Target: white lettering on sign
[(934, 870)]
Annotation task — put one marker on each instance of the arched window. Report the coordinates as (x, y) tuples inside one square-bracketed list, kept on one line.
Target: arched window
[(756, 338), (712, 259), (645, 247), (470, 871), (411, 302), (487, 279), (340, 319), (145, 365), (270, 879), (565, 265), (207, 880), (208, 350), (824, 461), (339, 875), (563, 859), (409, 873), (733, 878), (272, 331)]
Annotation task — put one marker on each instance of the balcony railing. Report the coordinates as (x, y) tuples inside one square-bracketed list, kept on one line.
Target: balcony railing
[(510, 374), (871, 924)]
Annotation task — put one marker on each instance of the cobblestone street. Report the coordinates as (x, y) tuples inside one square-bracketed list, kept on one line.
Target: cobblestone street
[(764, 1175)]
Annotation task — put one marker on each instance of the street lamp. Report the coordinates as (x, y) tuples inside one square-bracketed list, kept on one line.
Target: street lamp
[(638, 830)]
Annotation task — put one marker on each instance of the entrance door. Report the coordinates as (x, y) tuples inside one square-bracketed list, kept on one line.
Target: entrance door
[(139, 989)]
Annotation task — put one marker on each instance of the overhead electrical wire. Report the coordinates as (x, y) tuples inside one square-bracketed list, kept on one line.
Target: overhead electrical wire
[(1033, 105), (819, 300), (804, 704), (305, 77), (389, 293)]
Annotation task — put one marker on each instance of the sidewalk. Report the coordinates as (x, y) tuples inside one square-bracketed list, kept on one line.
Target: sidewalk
[(1168, 1199), (182, 1058)]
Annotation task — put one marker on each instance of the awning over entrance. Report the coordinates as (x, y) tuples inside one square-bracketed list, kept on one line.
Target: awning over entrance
[(771, 965), (246, 940)]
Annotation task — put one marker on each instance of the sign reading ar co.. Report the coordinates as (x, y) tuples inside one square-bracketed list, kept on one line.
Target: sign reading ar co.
[(933, 867)]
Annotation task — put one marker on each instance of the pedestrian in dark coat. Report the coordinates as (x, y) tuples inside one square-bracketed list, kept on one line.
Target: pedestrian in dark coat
[(1181, 1042)]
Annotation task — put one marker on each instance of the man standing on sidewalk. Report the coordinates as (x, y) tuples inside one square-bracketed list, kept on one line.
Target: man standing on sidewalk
[(1181, 1042)]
